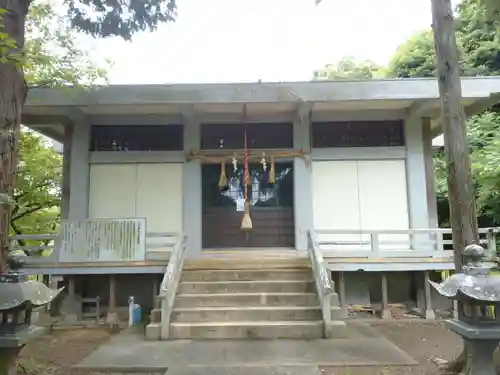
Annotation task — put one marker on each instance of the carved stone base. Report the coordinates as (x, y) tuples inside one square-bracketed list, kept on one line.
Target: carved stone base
[(11, 345), (8, 358), (480, 343)]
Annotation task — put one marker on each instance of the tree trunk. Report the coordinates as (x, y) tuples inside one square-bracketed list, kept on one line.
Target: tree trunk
[(13, 90), (460, 187)]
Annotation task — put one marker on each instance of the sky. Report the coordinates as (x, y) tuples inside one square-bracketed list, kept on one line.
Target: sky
[(268, 40)]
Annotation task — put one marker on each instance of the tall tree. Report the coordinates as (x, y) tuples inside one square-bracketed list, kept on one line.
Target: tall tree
[(52, 58), (459, 177), (478, 44), (99, 18)]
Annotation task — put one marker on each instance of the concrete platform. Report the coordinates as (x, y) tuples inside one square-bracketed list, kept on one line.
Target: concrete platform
[(128, 351), (245, 370)]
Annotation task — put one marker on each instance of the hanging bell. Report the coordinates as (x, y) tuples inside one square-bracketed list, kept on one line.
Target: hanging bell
[(264, 180), (272, 173), (246, 222), (222, 177)]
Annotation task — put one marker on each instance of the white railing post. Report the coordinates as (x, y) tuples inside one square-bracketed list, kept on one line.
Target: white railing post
[(169, 284), (375, 244), (439, 241), (323, 282), (491, 243)]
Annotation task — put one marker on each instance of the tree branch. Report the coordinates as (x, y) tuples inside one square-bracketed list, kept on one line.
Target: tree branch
[(33, 210), (18, 231), (19, 196)]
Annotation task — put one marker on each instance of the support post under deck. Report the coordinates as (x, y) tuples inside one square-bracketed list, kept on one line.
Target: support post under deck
[(386, 313)]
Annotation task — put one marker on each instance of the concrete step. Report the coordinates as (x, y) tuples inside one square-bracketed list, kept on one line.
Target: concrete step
[(250, 313), (261, 286), (246, 299), (246, 313), (158, 299), (155, 316), (252, 260), (247, 275), (153, 331), (247, 330)]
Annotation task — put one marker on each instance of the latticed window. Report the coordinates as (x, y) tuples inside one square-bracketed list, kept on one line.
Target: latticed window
[(136, 138), (259, 136), (357, 134)]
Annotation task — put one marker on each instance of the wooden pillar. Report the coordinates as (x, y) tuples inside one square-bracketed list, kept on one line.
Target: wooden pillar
[(429, 312), (112, 316), (342, 299), (386, 313), (79, 170), (70, 306), (455, 309), (71, 287), (66, 171)]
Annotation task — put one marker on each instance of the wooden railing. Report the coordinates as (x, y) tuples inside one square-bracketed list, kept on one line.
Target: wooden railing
[(95, 241), (323, 282), (395, 243), (169, 284), (160, 245), (103, 240), (37, 248)]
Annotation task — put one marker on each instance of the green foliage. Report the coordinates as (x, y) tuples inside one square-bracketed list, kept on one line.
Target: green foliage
[(37, 193), (53, 57), (415, 58), (122, 18), (8, 48), (478, 44), (484, 130), (348, 68)]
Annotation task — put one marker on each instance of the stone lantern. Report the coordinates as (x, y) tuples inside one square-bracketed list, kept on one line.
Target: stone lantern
[(478, 297), (18, 297)]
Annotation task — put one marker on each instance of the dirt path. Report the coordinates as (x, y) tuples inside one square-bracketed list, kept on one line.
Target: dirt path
[(56, 353)]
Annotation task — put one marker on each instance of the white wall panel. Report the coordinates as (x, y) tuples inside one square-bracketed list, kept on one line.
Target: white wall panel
[(336, 201), (150, 190), (383, 200), (361, 195), (159, 196), (112, 190)]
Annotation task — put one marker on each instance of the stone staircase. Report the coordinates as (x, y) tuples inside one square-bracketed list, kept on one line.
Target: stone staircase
[(246, 304)]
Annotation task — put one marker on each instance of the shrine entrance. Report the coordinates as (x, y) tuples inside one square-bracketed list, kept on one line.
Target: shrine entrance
[(270, 206)]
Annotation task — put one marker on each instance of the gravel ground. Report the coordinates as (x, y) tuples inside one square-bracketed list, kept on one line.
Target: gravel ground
[(54, 354)]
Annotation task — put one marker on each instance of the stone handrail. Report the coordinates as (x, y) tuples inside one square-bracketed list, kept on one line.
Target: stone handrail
[(323, 282), (169, 284)]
